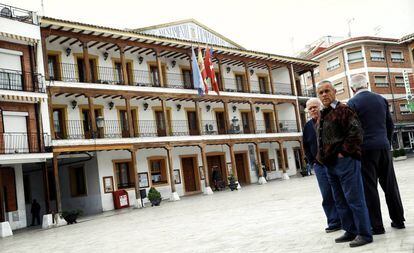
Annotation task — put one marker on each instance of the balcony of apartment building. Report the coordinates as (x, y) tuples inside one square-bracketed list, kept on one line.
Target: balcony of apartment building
[(18, 14), (110, 117), (18, 80), (74, 56)]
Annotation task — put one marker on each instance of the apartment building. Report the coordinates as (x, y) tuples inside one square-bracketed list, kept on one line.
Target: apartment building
[(24, 122), (383, 61), (125, 114)]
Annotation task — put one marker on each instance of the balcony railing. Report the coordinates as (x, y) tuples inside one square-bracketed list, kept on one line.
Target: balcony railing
[(377, 59), (329, 68), (81, 129), (18, 14), (68, 72), (23, 143), (308, 93), (382, 84), (288, 126), (21, 81), (397, 59)]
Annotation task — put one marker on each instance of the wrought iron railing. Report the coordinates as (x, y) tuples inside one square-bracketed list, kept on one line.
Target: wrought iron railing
[(21, 143), (283, 88), (21, 81), (231, 85), (308, 92), (288, 126), (18, 14)]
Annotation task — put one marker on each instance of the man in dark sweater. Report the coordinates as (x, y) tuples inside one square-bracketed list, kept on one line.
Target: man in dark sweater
[(310, 145), (376, 121), (339, 139)]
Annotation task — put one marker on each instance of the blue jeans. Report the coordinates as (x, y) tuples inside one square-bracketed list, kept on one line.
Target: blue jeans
[(328, 202), (309, 169), (346, 181)]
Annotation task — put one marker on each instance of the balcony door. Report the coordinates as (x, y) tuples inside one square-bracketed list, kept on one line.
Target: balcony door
[(82, 70), (118, 72), (123, 116), (268, 122), (239, 82), (187, 79), (59, 123), (262, 85), (53, 67), (192, 123), (246, 122), (221, 123), (15, 132), (87, 123), (161, 124)]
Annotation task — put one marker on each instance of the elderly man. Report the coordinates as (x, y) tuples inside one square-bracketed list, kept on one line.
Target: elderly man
[(339, 138), (376, 121), (310, 144)]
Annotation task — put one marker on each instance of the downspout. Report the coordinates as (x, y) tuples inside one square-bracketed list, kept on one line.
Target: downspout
[(392, 94)]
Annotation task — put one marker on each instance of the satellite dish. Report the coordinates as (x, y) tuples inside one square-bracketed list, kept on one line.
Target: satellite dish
[(5, 12)]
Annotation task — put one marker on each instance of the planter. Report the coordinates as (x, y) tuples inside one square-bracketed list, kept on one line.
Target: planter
[(155, 202), (71, 218), (233, 186), (400, 158)]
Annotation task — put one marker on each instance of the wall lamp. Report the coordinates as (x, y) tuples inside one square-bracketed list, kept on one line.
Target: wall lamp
[(173, 63), (68, 50), (251, 71), (257, 109), (178, 107), (145, 106), (105, 55), (74, 104), (228, 69), (234, 108), (140, 59), (208, 108), (111, 105)]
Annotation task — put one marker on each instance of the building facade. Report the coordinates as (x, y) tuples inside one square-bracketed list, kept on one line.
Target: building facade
[(24, 121), (126, 115), (383, 61)]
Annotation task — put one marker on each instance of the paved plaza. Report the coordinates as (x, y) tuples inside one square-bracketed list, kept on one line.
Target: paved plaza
[(281, 216)]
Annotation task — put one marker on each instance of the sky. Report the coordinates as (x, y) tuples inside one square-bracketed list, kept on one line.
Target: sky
[(278, 26)]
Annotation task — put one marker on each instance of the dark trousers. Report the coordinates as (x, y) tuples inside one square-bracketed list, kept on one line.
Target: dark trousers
[(328, 202), (348, 190), (377, 166), (35, 217)]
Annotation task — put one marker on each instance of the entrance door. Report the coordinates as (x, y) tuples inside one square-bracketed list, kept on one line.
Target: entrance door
[(241, 166), (192, 123), (298, 158), (189, 174), (264, 158), (221, 125), (216, 163), (161, 126), (8, 196), (246, 122)]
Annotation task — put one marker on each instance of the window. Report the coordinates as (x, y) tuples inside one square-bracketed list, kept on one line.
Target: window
[(397, 56), (240, 83), (381, 81), (158, 170), (404, 109), (391, 108), (399, 81), (377, 55), (339, 87), (333, 64), (263, 85), (77, 181), (187, 79), (124, 175), (355, 56)]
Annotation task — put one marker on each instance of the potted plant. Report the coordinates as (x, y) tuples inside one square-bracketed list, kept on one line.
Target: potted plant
[(71, 216), (399, 154), (154, 197), (232, 182)]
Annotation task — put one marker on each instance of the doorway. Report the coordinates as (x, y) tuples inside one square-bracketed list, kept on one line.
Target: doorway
[(242, 168), (87, 123), (217, 162), (298, 158), (82, 70), (190, 174), (220, 120), (192, 123)]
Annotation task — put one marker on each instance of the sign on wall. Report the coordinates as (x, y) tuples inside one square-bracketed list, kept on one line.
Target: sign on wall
[(408, 94)]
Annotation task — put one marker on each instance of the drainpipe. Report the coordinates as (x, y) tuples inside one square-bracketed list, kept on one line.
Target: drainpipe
[(392, 89)]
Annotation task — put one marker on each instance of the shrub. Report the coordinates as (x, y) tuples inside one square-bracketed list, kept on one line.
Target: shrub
[(402, 152), (396, 153), (153, 194)]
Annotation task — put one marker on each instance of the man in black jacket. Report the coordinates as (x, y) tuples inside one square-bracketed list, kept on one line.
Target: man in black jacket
[(373, 112), (310, 145)]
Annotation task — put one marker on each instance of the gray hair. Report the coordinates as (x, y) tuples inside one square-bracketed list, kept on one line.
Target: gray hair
[(314, 101), (359, 81), (323, 82)]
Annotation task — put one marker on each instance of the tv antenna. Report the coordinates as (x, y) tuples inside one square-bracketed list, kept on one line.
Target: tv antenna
[(349, 21)]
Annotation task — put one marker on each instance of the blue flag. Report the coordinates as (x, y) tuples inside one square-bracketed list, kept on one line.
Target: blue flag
[(197, 78)]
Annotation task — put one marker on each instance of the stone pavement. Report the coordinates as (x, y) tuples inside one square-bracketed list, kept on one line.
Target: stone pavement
[(281, 216)]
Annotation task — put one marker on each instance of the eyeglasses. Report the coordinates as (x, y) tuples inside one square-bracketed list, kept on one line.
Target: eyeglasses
[(313, 108)]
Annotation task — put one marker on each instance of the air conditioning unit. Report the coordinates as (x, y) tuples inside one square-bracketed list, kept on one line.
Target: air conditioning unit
[(209, 127)]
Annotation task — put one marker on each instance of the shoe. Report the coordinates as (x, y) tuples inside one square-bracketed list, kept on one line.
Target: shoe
[(358, 241), (398, 225), (378, 231), (347, 237), (333, 229)]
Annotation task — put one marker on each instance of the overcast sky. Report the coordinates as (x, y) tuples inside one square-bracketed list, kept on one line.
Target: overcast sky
[(273, 26)]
